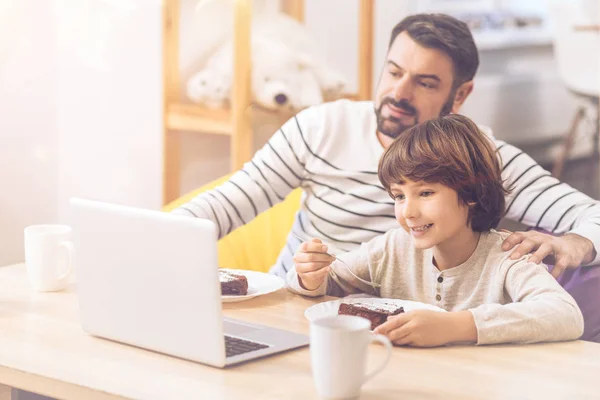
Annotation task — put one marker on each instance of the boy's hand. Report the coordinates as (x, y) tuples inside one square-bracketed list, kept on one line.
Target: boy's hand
[(312, 264), (426, 328)]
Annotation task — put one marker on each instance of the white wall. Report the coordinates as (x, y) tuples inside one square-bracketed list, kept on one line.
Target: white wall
[(28, 122), (81, 109), (110, 101)]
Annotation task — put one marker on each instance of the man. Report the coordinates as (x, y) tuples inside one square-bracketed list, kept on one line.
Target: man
[(331, 151)]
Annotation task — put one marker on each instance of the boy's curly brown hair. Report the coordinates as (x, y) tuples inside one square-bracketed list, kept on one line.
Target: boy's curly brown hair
[(450, 150)]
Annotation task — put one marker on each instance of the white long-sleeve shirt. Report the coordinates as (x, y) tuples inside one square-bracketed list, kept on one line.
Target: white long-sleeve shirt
[(512, 301), (332, 152)]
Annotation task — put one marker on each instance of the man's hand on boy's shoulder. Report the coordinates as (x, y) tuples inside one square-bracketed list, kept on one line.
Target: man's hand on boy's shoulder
[(567, 251)]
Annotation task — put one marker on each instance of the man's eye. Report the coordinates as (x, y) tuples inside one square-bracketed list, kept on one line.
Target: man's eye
[(394, 74), (427, 85)]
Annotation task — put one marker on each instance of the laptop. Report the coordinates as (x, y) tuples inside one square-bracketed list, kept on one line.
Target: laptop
[(150, 279)]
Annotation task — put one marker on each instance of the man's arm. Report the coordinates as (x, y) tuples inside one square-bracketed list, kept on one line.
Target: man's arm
[(542, 201), (274, 171)]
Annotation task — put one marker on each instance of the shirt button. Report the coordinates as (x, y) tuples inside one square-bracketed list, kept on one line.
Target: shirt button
[(438, 297), (440, 279)]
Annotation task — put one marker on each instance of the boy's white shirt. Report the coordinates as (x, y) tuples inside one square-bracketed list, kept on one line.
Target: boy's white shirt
[(512, 301)]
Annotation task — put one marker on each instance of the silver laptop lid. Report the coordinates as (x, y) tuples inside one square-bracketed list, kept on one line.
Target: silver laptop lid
[(149, 279)]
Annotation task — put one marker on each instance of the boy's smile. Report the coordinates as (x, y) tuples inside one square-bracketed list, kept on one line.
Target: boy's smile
[(419, 231)]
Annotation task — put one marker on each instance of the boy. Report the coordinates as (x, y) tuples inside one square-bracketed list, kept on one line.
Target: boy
[(445, 179)]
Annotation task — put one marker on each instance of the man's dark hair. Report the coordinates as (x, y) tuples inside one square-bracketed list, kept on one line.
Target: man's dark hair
[(445, 33)]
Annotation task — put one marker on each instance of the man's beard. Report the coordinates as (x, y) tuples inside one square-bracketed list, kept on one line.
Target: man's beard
[(392, 127)]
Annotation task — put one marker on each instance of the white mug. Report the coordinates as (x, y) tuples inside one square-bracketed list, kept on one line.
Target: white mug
[(338, 351), (48, 256)]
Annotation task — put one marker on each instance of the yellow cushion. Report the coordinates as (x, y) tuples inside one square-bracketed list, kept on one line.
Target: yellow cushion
[(256, 245)]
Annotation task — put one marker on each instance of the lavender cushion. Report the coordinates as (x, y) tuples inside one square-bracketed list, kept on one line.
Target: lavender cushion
[(583, 284)]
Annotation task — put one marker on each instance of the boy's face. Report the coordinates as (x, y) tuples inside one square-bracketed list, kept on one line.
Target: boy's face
[(416, 85), (430, 212)]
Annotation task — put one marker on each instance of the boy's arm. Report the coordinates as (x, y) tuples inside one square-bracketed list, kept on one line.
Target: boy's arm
[(364, 262), (542, 201), (295, 286), (339, 282), (542, 311), (274, 171)]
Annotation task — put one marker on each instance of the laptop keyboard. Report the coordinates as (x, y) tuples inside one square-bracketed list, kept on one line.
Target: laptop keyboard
[(236, 346)]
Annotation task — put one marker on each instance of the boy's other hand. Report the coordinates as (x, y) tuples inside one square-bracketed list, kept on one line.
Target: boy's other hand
[(312, 264), (426, 328)]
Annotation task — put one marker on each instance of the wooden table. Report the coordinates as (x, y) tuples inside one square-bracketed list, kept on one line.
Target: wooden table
[(44, 350)]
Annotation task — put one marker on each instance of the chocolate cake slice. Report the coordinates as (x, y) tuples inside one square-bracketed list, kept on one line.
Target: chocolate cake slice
[(377, 313), (233, 284)]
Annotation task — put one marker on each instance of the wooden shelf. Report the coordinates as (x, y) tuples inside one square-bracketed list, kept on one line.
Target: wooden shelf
[(185, 117), (193, 118), (587, 28), (234, 122)]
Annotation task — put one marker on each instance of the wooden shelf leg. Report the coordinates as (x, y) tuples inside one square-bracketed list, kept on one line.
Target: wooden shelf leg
[(241, 140), (365, 51), (171, 145), (294, 8)]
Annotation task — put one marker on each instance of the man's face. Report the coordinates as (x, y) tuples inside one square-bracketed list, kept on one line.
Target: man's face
[(415, 86)]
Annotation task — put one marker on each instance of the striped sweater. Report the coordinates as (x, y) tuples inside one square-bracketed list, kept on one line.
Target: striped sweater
[(331, 151)]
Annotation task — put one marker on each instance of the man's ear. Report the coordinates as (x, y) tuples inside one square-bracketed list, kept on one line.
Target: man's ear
[(461, 95)]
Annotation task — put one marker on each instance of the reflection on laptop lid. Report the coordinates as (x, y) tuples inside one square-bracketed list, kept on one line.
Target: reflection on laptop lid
[(150, 279)]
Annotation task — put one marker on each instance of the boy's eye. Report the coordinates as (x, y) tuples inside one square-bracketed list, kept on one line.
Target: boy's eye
[(398, 197), (426, 194)]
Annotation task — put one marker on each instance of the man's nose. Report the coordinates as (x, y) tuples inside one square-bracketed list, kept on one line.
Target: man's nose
[(403, 89)]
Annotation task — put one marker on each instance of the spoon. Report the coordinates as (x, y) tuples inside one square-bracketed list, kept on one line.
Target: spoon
[(372, 284)]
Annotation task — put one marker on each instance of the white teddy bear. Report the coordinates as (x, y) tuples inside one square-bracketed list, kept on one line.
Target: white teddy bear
[(280, 78), (210, 87), (287, 70)]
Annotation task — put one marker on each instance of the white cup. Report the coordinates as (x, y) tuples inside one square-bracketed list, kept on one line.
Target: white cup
[(338, 352), (48, 256)]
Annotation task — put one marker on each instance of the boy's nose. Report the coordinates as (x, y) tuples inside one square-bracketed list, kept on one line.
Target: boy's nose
[(410, 211)]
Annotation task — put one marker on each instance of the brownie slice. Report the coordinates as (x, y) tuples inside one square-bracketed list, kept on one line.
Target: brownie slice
[(377, 313), (233, 284)]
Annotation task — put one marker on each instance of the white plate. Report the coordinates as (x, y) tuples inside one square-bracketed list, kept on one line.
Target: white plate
[(259, 283), (330, 308)]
